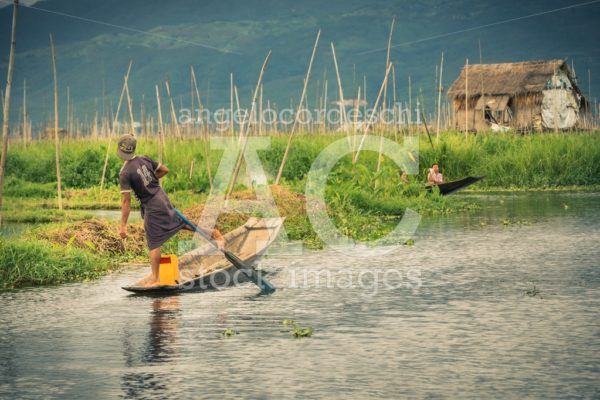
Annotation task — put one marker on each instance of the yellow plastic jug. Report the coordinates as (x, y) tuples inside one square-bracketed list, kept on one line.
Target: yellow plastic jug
[(168, 273)]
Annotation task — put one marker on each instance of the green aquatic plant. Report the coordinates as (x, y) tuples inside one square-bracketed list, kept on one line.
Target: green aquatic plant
[(229, 332), (300, 331), (297, 331), (515, 221)]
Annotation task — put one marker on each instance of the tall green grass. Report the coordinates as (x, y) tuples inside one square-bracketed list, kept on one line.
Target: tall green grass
[(30, 263), (507, 160)]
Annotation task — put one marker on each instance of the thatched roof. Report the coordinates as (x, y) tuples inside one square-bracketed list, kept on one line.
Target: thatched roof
[(507, 79)]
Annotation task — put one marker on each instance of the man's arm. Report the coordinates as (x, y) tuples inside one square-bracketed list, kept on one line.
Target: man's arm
[(161, 171), (125, 209)]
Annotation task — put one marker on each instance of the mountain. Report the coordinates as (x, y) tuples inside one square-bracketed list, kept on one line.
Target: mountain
[(95, 40)]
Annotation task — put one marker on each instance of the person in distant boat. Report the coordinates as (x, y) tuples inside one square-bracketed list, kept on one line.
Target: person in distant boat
[(435, 176), (141, 175)]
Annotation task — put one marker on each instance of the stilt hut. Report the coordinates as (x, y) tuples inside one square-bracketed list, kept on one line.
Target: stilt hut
[(524, 96)]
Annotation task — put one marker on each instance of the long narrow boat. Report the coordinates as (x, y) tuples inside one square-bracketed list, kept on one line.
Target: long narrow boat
[(204, 268), (455, 186)]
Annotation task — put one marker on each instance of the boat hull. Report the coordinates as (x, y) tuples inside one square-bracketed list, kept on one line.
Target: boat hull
[(206, 269), (454, 186)]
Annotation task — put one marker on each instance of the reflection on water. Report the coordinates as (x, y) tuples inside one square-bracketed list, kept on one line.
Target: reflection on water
[(472, 328), (159, 347)]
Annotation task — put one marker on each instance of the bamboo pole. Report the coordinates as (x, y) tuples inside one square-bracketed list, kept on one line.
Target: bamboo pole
[(384, 103), (130, 108), (161, 128), (325, 93), (466, 98), (362, 140), (192, 168), (67, 124), (203, 129), (192, 111), (410, 110), (394, 108), (25, 134), (481, 79), (238, 112), (112, 128), (299, 110), (387, 61), (260, 111), (340, 89), (356, 109), (6, 99), (439, 103), (231, 94), (143, 117), (312, 127), (206, 154), (173, 113), (56, 138), (245, 143), (95, 127)]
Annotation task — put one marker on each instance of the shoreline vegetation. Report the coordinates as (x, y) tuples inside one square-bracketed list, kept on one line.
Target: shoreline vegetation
[(71, 245)]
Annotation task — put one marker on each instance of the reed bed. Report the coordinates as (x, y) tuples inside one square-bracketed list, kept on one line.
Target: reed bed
[(507, 160)]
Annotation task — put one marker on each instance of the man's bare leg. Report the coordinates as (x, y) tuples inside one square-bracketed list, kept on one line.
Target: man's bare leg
[(155, 264)]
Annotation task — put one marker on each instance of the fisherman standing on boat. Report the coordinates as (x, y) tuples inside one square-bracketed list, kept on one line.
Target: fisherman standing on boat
[(435, 176), (141, 175)]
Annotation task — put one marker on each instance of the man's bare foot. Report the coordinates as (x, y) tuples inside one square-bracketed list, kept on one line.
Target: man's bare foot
[(153, 282), (144, 281)]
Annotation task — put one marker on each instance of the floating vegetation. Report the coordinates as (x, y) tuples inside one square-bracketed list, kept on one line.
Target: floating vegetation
[(532, 291), (297, 330), (515, 221), (229, 332)]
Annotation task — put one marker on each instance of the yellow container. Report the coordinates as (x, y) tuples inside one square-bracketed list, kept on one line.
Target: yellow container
[(168, 273)]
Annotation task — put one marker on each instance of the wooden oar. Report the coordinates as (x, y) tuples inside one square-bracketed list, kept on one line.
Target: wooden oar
[(247, 270)]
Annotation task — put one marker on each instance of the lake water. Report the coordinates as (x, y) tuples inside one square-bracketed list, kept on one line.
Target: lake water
[(501, 302)]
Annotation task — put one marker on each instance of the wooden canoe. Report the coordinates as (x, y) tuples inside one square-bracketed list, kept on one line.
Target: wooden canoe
[(455, 186), (204, 268)]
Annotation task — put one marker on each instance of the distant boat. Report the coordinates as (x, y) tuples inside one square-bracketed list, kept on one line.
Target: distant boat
[(199, 271), (454, 186)]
